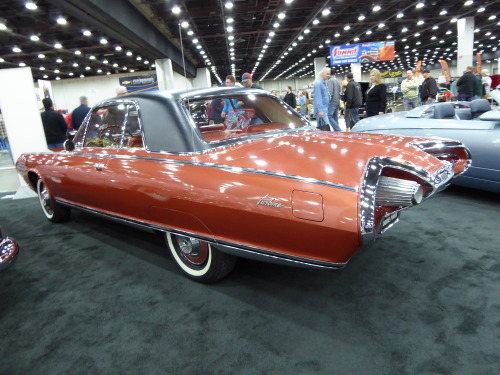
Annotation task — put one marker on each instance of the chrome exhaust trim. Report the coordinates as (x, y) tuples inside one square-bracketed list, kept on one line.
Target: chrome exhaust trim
[(397, 192)]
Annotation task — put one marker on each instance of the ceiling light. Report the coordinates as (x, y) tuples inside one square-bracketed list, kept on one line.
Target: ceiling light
[(87, 33), (468, 2), (435, 27), (230, 37), (420, 22), (347, 27), (34, 38), (41, 56), (176, 10), (325, 12), (389, 36), (482, 9), (307, 31), (184, 24), (453, 20), (59, 61), (75, 65), (16, 49), (56, 71), (22, 64), (315, 22), (230, 29), (419, 5), (31, 5), (229, 5), (404, 30), (103, 41), (92, 57), (380, 25), (443, 12), (276, 25), (62, 21), (337, 34), (400, 15), (376, 8), (281, 15), (230, 20), (356, 39), (492, 17), (42, 68)]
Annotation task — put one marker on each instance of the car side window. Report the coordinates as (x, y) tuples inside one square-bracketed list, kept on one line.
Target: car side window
[(132, 137), (105, 127)]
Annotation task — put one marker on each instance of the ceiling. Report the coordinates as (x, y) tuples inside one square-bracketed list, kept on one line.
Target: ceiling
[(252, 36)]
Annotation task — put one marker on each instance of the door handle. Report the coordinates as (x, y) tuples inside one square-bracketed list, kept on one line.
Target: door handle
[(99, 166)]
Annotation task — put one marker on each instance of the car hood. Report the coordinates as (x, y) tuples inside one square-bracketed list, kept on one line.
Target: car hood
[(339, 158)]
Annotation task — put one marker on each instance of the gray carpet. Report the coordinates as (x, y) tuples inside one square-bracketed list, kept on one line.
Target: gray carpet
[(92, 296)]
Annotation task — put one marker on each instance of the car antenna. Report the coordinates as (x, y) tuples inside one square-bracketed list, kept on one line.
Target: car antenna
[(185, 75)]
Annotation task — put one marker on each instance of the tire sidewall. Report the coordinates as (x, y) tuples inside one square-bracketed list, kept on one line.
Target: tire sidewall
[(190, 271), (48, 215)]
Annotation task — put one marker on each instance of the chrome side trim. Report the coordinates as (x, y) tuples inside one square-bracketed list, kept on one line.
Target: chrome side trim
[(228, 168), (444, 145), (224, 246)]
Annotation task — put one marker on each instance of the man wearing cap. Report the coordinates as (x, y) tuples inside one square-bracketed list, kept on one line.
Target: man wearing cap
[(429, 88), (246, 80), (79, 113), (333, 86), (322, 100)]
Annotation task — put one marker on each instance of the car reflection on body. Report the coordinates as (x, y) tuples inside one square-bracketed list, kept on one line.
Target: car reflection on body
[(263, 184), (475, 124)]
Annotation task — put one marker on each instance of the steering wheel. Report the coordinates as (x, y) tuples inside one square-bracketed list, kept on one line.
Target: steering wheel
[(111, 135)]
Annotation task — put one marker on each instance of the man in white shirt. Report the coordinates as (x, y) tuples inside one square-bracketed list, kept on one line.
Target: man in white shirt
[(486, 83)]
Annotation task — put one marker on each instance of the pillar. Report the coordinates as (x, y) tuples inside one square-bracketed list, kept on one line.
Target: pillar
[(202, 78), (165, 74), (356, 71), (21, 117), (319, 63), (465, 33)]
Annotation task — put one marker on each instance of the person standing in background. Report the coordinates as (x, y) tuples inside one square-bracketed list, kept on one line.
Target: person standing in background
[(409, 88), (429, 88), (54, 126), (376, 95), (322, 100), (465, 85), (333, 86), (302, 103), (486, 83), (354, 100), (79, 113), (290, 98)]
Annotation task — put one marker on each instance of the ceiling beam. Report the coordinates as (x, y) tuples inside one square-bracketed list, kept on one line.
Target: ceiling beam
[(120, 20)]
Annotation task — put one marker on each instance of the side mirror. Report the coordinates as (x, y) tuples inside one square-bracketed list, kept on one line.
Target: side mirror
[(69, 145)]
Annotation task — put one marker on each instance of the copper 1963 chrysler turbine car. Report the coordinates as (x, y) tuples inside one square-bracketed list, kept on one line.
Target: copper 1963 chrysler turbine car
[(261, 184)]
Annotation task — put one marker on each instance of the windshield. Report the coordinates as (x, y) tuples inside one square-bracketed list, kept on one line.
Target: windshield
[(224, 117)]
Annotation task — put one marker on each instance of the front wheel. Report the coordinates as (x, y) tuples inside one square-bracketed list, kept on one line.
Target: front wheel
[(198, 259), (52, 210)]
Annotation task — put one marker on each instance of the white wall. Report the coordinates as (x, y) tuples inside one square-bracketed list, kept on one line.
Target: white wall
[(67, 92)]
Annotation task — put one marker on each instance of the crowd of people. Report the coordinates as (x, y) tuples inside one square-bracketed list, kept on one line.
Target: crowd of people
[(328, 93)]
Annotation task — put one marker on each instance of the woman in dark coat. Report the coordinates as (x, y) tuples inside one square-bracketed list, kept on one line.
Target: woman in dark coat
[(376, 95)]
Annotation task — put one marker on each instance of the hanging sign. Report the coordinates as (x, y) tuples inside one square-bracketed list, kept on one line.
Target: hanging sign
[(134, 84), (361, 53)]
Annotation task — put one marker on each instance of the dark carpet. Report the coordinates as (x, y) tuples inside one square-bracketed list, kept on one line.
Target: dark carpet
[(93, 296)]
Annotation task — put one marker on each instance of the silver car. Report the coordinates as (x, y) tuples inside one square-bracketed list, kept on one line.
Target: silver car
[(474, 123)]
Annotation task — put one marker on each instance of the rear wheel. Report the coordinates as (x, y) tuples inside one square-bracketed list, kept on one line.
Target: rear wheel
[(198, 259), (52, 210)]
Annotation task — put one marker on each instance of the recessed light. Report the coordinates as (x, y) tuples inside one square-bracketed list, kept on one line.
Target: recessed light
[(31, 5), (16, 49), (87, 33), (176, 10), (62, 21)]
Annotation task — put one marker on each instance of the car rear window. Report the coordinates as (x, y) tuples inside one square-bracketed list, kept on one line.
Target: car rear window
[(223, 118)]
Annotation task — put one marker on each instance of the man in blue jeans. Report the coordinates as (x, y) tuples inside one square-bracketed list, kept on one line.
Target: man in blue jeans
[(333, 86), (354, 100), (321, 100)]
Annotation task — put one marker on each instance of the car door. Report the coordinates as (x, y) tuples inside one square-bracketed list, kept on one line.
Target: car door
[(81, 172)]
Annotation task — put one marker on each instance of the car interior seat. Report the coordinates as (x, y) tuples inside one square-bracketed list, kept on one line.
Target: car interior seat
[(444, 111), (478, 107)]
